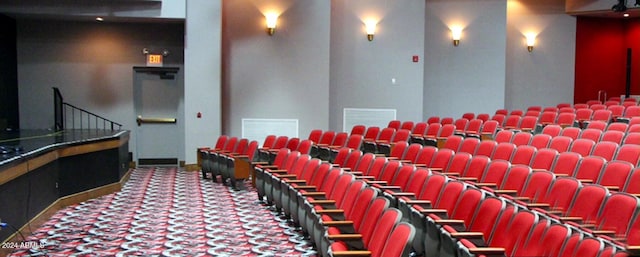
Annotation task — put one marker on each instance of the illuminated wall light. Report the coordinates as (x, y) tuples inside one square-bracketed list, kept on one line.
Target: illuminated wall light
[(99, 19), (272, 20), (370, 27), (531, 41), (625, 15), (456, 34)]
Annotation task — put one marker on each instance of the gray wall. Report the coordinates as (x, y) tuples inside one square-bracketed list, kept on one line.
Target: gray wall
[(284, 76), (470, 77), (544, 76), (362, 71), (317, 63), (91, 63)]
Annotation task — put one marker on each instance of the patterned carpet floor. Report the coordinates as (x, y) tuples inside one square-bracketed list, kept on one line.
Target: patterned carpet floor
[(164, 211)]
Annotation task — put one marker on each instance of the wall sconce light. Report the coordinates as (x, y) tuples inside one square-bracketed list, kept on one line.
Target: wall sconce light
[(272, 20), (370, 27), (531, 41), (456, 34)]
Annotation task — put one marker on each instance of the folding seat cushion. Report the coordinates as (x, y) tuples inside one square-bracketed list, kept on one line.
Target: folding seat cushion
[(446, 120), (629, 103), (489, 129), (424, 157), (589, 169), (453, 142), (503, 136), (512, 122), (586, 205), (461, 125), (475, 169), (618, 126), (572, 132), (605, 149), (315, 134), (385, 135), (559, 197), (629, 113), (468, 115), (469, 145), (473, 128), (552, 130), (458, 164), (540, 141), (582, 146), (433, 119), (398, 150), (596, 107), (483, 117), (613, 136), (408, 125), (616, 215), (522, 138), (566, 119), (293, 143), (633, 121), (441, 159), (567, 110), (633, 183), (615, 175), (486, 148), (358, 130), (523, 155), (561, 143), (503, 151), (629, 153), (581, 106), (394, 124), (544, 159), (268, 141), (304, 146), (548, 117), (591, 134)]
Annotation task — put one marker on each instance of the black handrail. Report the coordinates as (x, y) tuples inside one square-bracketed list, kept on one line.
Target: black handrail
[(61, 109)]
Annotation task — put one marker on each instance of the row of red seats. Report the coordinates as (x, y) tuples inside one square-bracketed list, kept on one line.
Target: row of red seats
[(394, 178), (310, 192)]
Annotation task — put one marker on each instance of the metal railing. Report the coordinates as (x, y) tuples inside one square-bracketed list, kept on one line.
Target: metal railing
[(68, 116)]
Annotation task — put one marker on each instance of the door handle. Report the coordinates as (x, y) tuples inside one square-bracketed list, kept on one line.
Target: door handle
[(141, 120)]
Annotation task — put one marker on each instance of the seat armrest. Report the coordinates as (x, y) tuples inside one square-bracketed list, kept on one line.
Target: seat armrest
[(337, 222), (351, 253), (429, 211), (487, 250), (324, 211), (467, 235), (345, 236), (449, 222), (322, 201)]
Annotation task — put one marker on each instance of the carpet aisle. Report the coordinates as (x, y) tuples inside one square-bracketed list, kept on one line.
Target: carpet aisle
[(164, 211)]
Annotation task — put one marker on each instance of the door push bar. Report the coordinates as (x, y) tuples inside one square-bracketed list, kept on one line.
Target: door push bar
[(141, 120)]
